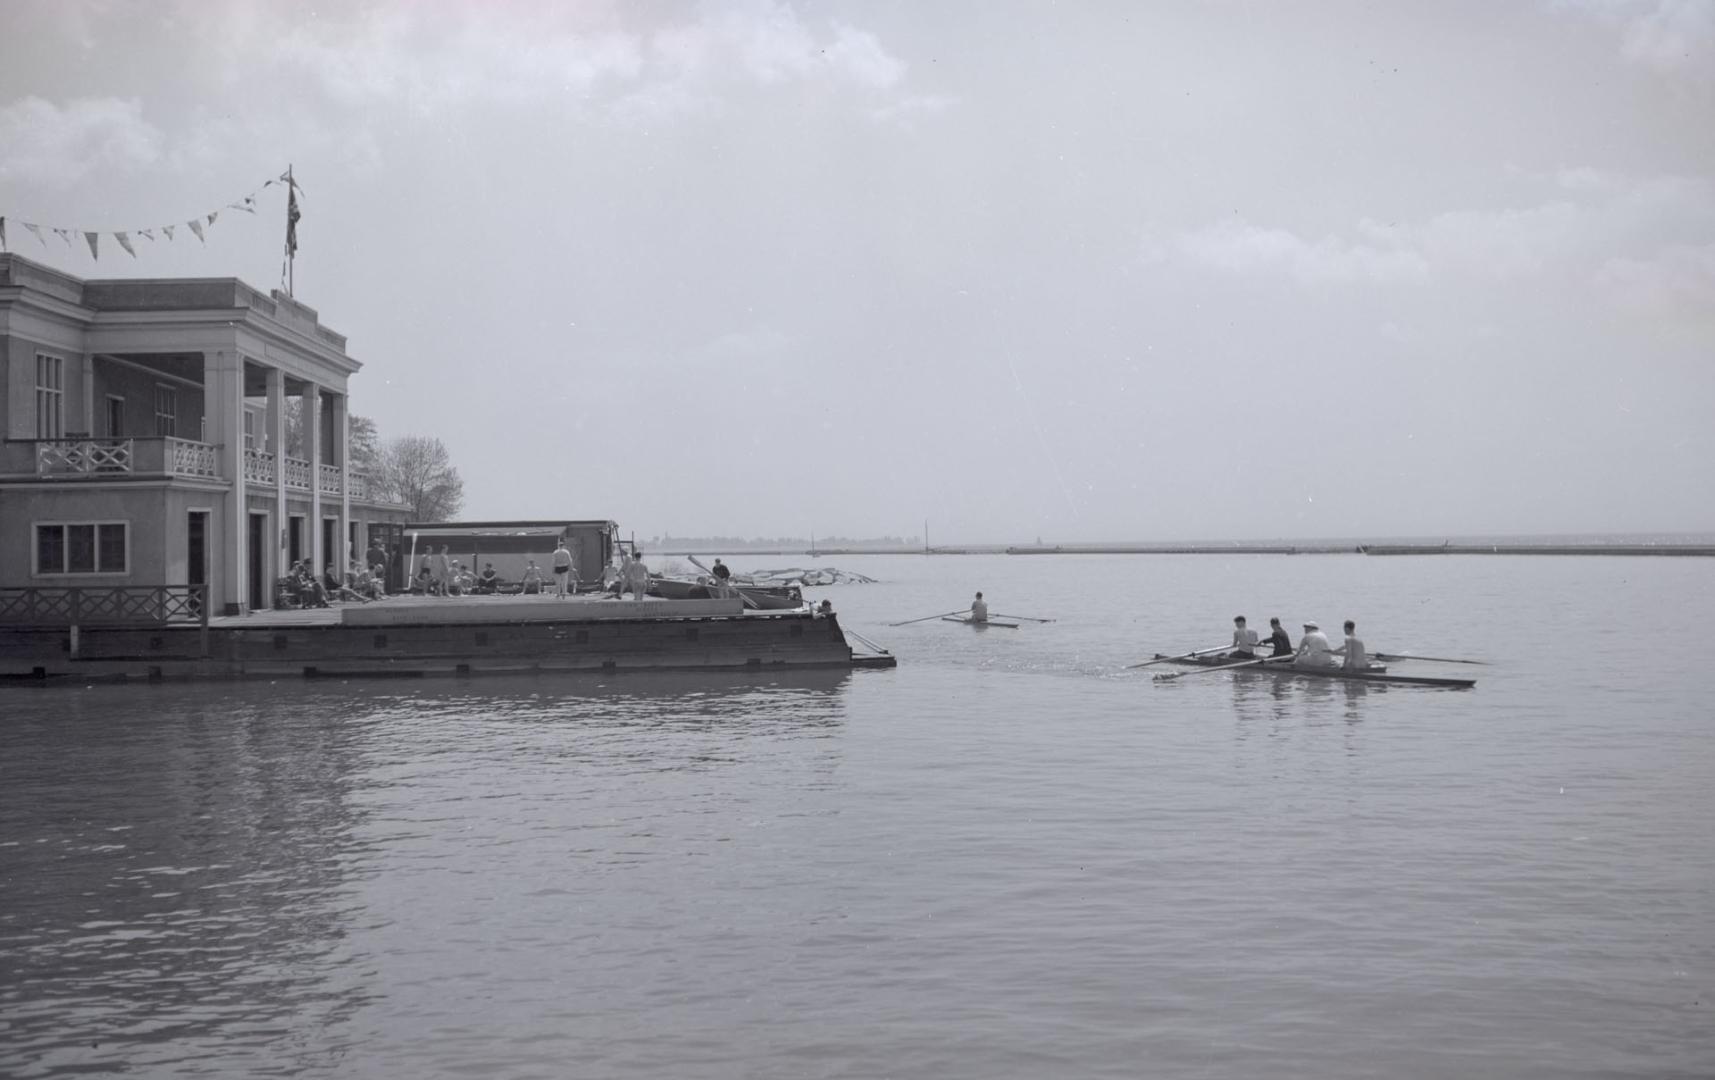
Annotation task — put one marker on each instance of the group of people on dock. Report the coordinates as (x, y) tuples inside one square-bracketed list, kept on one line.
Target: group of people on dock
[(1314, 648)]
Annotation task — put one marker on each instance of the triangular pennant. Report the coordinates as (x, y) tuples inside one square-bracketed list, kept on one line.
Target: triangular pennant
[(168, 229), (212, 214), (94, 244), (125, 242), (36, 231), (64, 234), (196, 227), (147, 234), (241, 206), (2, 232)]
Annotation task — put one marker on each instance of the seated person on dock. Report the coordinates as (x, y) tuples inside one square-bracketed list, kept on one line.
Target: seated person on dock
[(531, 582), (1244, 640), (339, 589), (1277, 637), (979, 609), (310, 592), (826, 609), (488, 580), (426, 577), (1357, 657), (1314, 650)]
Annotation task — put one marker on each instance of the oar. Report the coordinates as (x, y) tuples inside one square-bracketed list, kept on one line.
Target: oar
[(1169, 676), (1431, 659), (1026, 618), (926, 618), (1184, 656)]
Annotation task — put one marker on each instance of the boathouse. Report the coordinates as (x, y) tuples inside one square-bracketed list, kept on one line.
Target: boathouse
[(146, 426)]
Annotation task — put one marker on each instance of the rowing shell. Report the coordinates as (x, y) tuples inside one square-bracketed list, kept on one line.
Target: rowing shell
[(973, 622), (1284, 668)]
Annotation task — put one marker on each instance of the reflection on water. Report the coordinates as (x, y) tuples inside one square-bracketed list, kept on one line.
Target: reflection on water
[(183, 868)]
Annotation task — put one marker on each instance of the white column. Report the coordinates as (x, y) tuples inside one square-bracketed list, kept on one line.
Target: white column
[(342, 457), (313, 441), (223, 425), (277, 446)]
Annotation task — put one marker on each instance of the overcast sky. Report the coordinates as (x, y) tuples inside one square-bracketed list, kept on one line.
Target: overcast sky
[(1079, 271)]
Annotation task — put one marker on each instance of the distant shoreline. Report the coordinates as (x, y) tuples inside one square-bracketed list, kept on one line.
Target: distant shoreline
[(1545, 548)]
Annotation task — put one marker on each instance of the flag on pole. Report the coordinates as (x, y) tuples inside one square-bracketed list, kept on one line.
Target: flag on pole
[(292, 216)]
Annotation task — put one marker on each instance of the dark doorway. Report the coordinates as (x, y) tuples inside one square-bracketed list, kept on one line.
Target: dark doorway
[(256, 560), (330, 536), (196, 548), (295, 540)]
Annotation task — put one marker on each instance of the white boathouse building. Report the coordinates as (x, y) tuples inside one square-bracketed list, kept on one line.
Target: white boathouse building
[(145, 437)]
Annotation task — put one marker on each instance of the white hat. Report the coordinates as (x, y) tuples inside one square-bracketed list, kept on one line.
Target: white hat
[(1311, 626)]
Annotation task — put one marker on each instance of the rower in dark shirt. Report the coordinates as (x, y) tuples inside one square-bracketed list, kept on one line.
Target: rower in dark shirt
[(1282, 644)]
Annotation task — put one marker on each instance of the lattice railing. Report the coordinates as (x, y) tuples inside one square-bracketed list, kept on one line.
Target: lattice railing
[(258, 467), (330, 480), (108, 605), (359, 487), (297, 473), (83, 456), (187, 458)]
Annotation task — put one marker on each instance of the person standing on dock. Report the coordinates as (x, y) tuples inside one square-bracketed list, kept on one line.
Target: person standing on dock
[(1277, 638), (562, 568), (979, 609), (1357, 657), (1314, 650), (443, 570), (1244, 640), (638, 575)]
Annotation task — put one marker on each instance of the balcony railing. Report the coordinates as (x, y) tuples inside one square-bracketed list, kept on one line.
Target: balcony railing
[(83, 456), (187, 458), (123, 459), (111, 458), (258, 467), (297, 473)]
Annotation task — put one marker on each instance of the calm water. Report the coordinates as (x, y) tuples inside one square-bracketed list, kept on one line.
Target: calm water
[(1008, 858)]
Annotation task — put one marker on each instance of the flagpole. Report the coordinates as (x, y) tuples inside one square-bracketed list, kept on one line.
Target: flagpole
[(291, 249)]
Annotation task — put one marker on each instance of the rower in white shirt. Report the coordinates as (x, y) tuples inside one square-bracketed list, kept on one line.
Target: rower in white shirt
[(979, 609), (1244, 640), (1314, 650), (1357, 657)]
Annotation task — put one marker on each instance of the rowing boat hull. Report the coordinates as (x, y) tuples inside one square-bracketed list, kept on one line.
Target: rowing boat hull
[(981, 625), (1285, 668)]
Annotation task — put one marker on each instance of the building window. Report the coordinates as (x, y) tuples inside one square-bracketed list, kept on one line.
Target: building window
[(115, 417), (97, 547), (166, 410), (249, 429), (50, 397)]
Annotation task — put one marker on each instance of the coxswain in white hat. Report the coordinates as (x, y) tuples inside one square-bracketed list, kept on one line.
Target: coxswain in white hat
[(1314, 649)]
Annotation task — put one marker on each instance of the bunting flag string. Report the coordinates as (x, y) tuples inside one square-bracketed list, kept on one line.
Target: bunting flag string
[(197, 224)]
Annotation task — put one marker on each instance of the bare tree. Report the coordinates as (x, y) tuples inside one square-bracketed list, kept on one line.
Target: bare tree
[(418, 471)]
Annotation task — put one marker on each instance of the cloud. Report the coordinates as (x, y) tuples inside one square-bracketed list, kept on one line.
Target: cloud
[(42, 142), (620, 61), (1240, 247), (1670, 36), (1590, 223), (1676, 283)]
